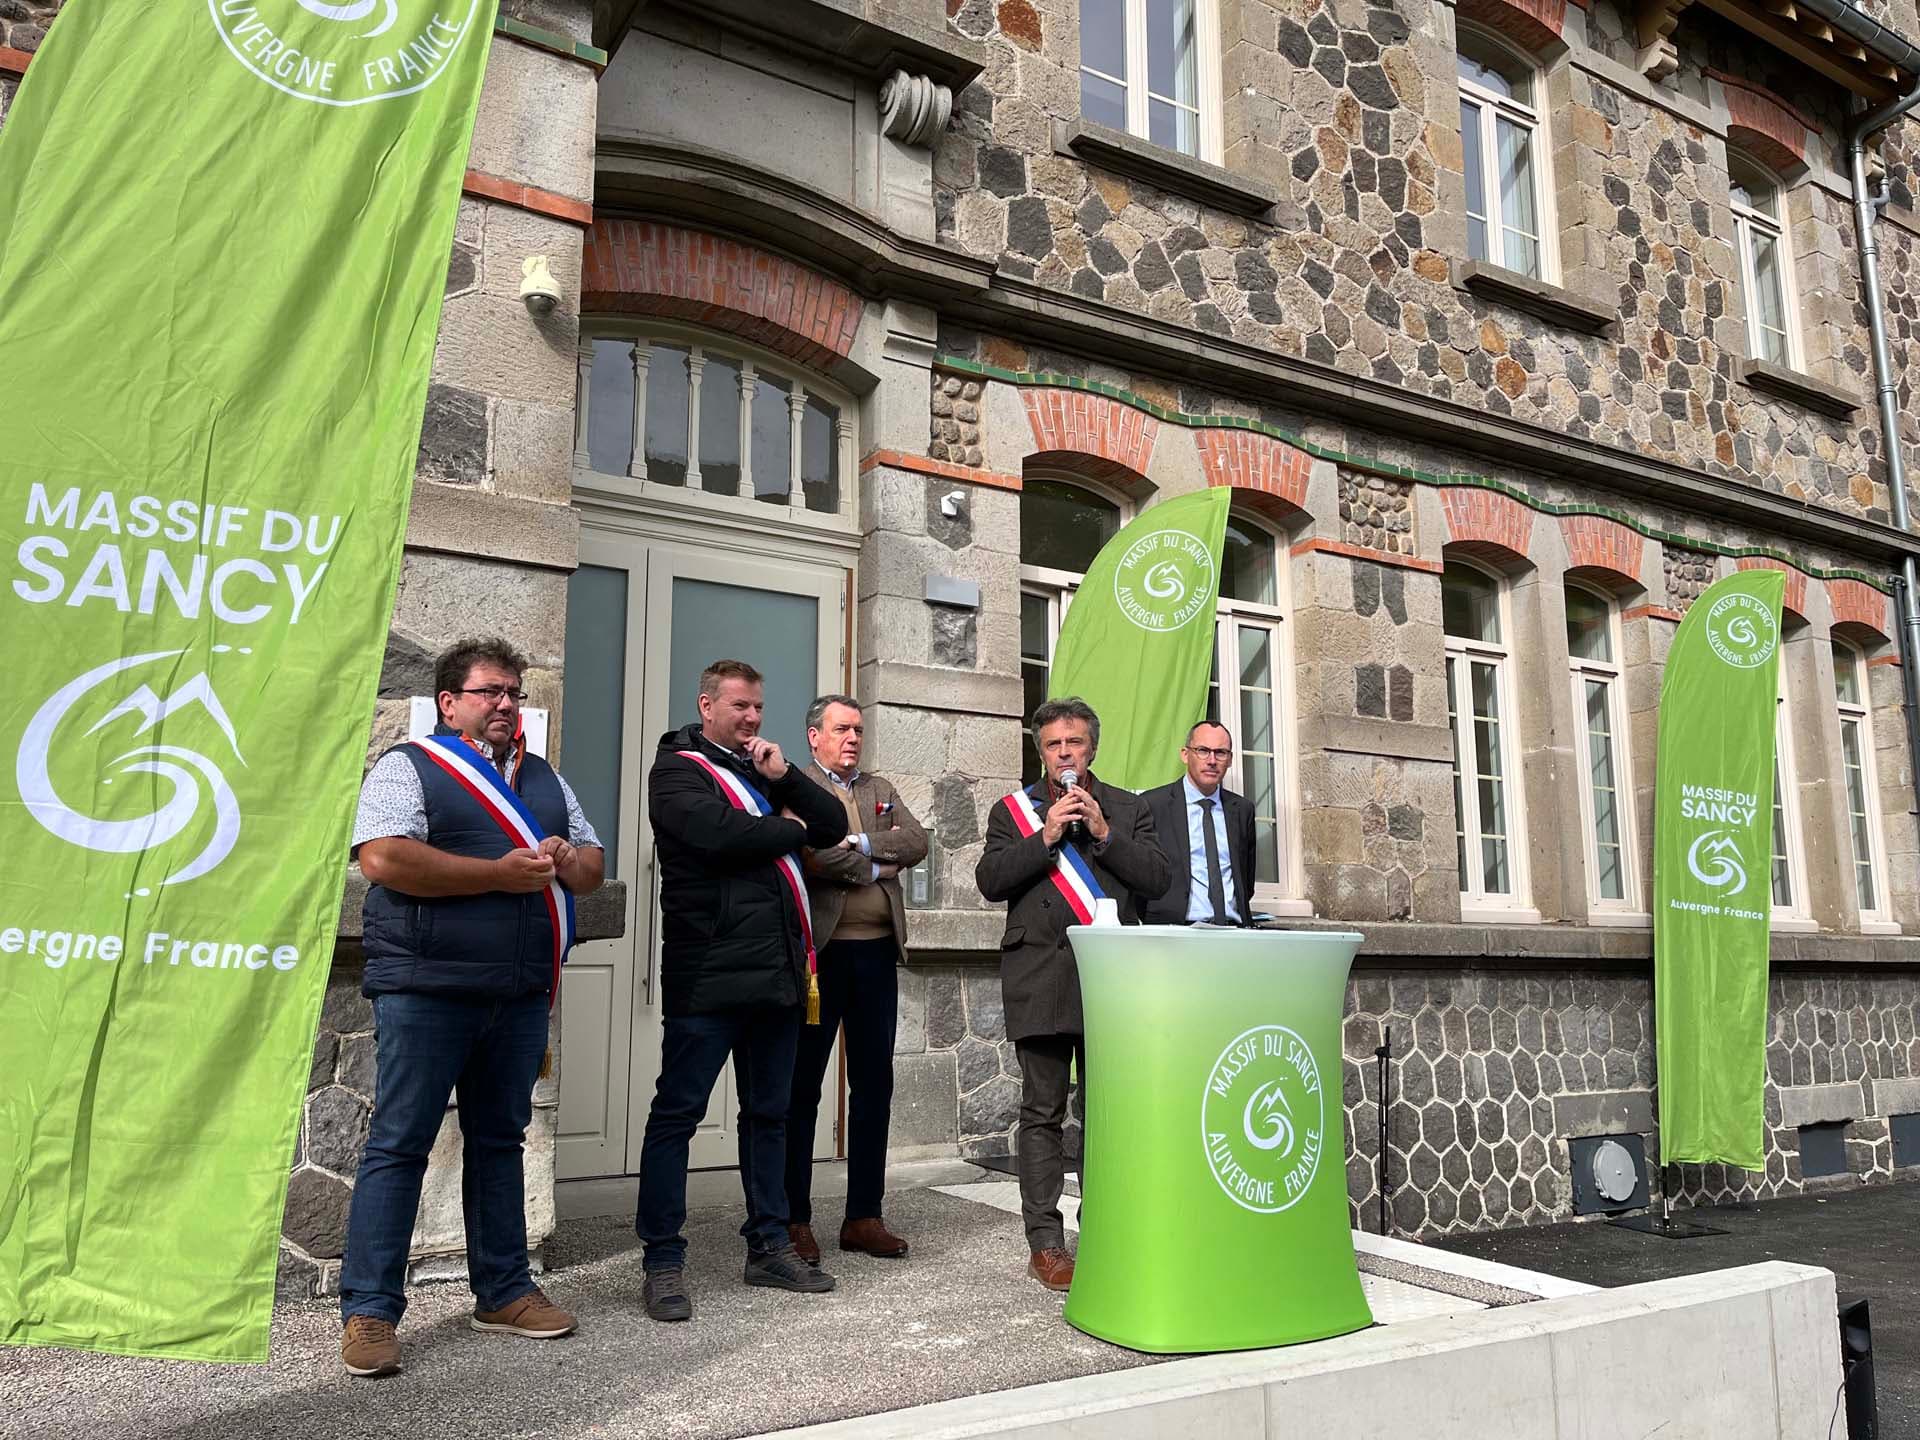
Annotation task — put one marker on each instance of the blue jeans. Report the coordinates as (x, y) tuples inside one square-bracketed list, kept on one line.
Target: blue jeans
[(694, 1049), (429, 1047)]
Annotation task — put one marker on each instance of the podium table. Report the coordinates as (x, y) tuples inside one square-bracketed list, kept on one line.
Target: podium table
[(1214, 1191)]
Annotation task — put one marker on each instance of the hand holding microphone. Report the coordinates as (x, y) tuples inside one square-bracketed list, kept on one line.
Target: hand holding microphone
[(1075, 831)]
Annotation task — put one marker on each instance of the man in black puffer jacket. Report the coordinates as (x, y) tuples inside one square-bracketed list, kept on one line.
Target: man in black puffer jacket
[(729, 817)]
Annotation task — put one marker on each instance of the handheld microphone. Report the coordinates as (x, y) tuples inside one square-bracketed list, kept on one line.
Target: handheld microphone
[(1076, 831)]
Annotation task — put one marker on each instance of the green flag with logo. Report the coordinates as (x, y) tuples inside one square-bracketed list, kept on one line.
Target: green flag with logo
[(1713, 871), (1137, 643), (224, 233)]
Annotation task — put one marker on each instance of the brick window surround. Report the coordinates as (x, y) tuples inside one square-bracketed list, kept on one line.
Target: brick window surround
[(1092, 436), (1486, 524), (643, 267), (1596, 543)]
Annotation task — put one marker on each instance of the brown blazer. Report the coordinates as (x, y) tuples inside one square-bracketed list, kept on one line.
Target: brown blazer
[(895, 837), (1039, 983)]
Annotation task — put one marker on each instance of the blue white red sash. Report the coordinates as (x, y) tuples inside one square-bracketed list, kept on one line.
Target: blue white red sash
[(743, 796), (484, 782), (1072, 875)]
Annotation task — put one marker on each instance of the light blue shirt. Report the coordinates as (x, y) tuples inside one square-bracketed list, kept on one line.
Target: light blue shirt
[(1199, 907)]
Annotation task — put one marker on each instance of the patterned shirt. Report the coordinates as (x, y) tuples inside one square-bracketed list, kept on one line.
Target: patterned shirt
[(393, 803)]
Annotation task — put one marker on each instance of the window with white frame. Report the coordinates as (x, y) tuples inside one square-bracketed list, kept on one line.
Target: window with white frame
[(1766, 265), (1503, 137), (1487, 824), (1247, 694), (677, 408), (1063, 524), (1151, 68), (1599, 708), (1789, 858), (1856, 758)]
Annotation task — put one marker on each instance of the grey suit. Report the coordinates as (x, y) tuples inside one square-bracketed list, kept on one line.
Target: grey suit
[(1039, 983), (1168, 806)]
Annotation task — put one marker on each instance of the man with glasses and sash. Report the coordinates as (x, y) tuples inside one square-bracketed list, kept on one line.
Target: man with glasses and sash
[(1053, 851), (474, 849), (1200, 821)]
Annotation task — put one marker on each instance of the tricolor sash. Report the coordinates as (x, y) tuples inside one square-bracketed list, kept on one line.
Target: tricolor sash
[(485, 783), (1072, 875), (743, 796)]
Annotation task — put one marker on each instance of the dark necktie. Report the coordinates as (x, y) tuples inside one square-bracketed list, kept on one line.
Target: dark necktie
[(1216, 887)]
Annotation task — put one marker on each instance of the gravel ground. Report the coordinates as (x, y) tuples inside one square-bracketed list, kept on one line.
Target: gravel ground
[(956, 1318)]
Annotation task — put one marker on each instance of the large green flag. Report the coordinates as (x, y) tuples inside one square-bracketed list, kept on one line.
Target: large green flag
[(224, 231), (1713, 871), (1137, 643)]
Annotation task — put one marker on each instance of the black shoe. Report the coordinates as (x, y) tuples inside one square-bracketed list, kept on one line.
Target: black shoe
[(665, 1295), (785, 1270)]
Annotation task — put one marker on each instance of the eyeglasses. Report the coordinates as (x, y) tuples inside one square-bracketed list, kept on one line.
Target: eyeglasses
[(1207, 752), (494, 694)]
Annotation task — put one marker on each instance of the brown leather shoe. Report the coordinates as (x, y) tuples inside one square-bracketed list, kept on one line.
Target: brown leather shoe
[(1052, 1267), (368, 1347), (532, 1315), (804, 1245), (871, 1237)]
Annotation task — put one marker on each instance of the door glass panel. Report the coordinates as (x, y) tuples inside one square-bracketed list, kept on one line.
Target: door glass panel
[(610, 407), (1470, 605), (1034, 654), (667, 401), (720, 426), (1246, 564), (592, 723), (772, 440), (1103, 37), (1782, 866), (779, 635), (1062, 527), (1459, 796), (1846, 676), (1476, 181), (1589, 636), (1854, 761), (1604, 791), (1520, 231), (1491, 779)]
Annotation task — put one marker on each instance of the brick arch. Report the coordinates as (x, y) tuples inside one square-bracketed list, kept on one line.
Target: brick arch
[(1533, 25), (1595, 543), (1796, 597), (1268, 474), (643, 267), (1763, 125), (1856, 603), (1094, 436), (1487, 524)]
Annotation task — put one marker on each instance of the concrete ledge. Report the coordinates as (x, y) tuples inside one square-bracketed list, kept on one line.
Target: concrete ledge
[(1604, 1112), (1893, 1097), (926, 687), (1360, 735), (1778, 380), (1551, 303), (1139, 159), (1821, 1104), (1750, 1352)]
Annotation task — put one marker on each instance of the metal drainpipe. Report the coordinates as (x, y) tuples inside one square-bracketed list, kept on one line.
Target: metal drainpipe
[(1865, 213)]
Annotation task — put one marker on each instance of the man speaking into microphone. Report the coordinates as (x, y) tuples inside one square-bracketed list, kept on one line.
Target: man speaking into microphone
[(1052, 852)]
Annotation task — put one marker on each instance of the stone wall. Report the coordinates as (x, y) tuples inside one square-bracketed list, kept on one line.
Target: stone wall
[(1349, 115)]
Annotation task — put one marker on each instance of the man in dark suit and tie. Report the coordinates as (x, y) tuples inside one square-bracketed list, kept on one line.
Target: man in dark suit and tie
[(1207, 832)]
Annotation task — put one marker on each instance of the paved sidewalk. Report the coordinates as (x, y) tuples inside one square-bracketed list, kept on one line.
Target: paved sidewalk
[(955, 1318), (1869, 1238)]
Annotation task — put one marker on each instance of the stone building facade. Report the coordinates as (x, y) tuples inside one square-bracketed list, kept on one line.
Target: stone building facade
[(880, 314)]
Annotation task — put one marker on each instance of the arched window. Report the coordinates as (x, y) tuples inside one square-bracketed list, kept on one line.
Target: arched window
[(678, 408), (1250, 696), (1503, 137), (1606, 788), (1487, 807), (1766, 261), (1863, 801), (1152, 69), (1063, 524), (1789, 855)]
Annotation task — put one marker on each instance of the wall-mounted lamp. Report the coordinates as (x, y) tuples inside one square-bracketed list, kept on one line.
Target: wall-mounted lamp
[(952, 503), (539, 292)]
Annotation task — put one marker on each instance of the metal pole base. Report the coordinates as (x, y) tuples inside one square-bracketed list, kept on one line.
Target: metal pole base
[(1666, 1227)]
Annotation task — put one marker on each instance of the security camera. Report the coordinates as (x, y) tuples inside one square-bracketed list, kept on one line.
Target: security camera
[(539, 292), (951, 503)]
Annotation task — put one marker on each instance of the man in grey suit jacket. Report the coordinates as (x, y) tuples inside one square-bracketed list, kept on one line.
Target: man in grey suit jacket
[(1212, 873), (1039, 984)]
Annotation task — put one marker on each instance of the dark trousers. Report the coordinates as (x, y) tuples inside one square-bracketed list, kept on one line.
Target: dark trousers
[(694, 1049), (860, 988), (1045, 1062), (427, 1047)]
